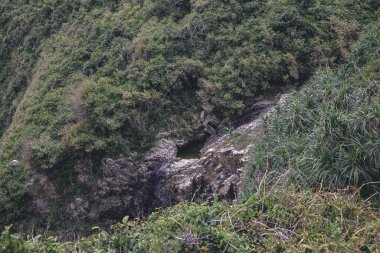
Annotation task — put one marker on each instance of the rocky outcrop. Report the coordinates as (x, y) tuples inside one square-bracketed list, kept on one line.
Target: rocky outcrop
[(42, 192), (219, 169), (164, 151), (120, 186)]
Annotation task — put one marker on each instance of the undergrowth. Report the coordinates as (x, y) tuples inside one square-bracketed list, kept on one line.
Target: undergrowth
[(277, 220)]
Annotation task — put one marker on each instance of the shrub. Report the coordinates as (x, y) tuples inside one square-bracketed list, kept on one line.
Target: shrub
[(269, 221)]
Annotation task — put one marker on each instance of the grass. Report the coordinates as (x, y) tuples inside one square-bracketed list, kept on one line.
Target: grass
[(329, 132), (275, 220), (241, 140)]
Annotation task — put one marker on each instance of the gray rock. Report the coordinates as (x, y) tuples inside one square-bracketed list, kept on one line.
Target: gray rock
[(164, 150), (163, 135), (210, 130), (211, 120), (77, 209), (119, 187), (202, 116), (14, 163), (219, 169), (118, 176)]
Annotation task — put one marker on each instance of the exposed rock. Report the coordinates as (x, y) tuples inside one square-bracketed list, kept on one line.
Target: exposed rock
[(252, 113), (164, 150), (202, 116), (163, 135), (14, 163), (118, 176), (168, 180), (219, 169), (78, 209), (176, 181), (180, 142), (120, 187), (211, 120), (42, 192), (210, 130)]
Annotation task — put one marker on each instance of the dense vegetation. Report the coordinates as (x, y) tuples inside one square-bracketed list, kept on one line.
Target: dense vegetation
[(101, 78), (328, 134), (97, 78), (270, 221)]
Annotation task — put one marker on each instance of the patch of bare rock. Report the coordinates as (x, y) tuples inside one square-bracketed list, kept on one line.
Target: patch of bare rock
[(120, 186)]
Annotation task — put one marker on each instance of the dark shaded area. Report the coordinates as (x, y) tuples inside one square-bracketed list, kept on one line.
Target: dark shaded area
[(252, 112), (192, 149)]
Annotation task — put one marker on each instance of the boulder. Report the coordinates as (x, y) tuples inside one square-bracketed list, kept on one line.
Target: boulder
[(14, 163), (164, 150)]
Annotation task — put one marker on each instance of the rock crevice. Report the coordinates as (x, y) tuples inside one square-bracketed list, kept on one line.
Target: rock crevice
[(122, 187)]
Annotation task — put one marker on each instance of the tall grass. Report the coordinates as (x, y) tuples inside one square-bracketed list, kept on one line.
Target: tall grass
[(328, 134)]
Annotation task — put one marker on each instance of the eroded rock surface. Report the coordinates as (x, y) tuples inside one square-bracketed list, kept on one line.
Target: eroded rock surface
[(219, 169), (120, 186)]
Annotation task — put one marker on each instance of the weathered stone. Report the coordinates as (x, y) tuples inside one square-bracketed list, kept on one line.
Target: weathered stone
[(217, 172), (210, 130), (164, 150), (202, 116), (118, 173), (119, 187), (14, 163), (211, 120), (163, 135), (77, 209)]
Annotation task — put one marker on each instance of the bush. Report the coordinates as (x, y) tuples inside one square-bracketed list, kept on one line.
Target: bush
[(13, 186), (104, 104), (273, 221)]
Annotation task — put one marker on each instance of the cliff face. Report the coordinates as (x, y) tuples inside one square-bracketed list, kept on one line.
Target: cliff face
[(162, 179)]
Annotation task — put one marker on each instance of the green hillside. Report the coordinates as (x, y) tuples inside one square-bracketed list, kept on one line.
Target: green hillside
[(328, 134), (85, 80)]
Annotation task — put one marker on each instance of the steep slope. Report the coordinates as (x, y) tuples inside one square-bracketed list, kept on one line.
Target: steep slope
[(102, 78), (328, 136), (280, 216), (24, 27)]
